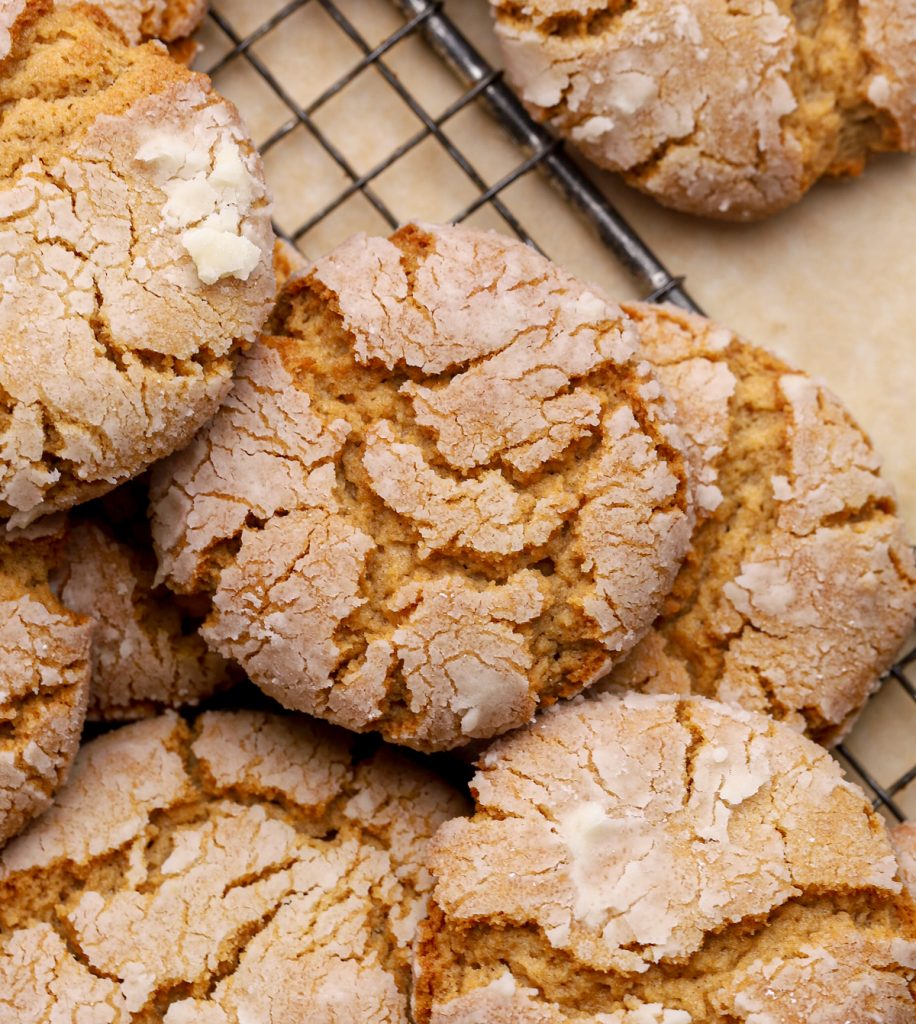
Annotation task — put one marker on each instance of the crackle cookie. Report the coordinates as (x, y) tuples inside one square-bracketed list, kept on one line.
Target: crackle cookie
[(44, 683), (715, 108), (903, 838), (659, 860), (139, 20), (147, 654), (135, 242), (241, 870), (800, 586), (445, 490)]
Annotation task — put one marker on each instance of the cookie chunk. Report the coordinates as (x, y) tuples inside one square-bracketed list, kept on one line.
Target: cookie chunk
[(135, 244), (904, 839), (714, 108), (139, 20), (241, 870), (445, 490), (147, 654), (44, 684), (655, 860), (800, 586)]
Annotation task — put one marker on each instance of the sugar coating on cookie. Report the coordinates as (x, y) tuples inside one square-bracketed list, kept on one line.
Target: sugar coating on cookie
[(654, 859), (147, 654), (151, 19), (717, 109), (903, 837), (136, 245), (44, 686), (446, 491), (241, 870), (800, 586)]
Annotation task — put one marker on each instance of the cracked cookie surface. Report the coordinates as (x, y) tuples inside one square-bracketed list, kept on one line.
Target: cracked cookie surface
[(712, 107), (445, 491), (147, 653), (139, 20), (903, 837), (44, 685), (657, 860), (135, 242), (242, 869), (800, 586)]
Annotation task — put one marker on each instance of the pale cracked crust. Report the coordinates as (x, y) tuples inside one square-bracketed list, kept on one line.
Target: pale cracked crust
[(240, 870), (445, 493), (44, 686), (724, 110), (147, 654), (110, 159), (140, 20), (903, 838), (656, 859), (800, 587)]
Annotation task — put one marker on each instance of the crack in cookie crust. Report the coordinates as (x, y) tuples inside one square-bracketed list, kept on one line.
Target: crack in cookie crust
[(722, 109), (800, 586), (140, 20), (443, 492), (107, 191), (243, 869), (649, 858)]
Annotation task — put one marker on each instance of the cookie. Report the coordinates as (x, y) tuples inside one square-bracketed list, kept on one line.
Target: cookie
[(903, 838), (443, 492), (147, 654), (800, 586), (135, 243), (716, 109), (245, 869), (655, 860), (288, 262), (44, 684), (139, 20)]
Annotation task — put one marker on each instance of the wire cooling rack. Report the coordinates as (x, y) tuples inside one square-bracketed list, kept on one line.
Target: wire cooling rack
[(292, 96)]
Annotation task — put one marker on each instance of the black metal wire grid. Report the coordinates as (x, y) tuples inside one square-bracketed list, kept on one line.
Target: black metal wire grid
[(538, 152)]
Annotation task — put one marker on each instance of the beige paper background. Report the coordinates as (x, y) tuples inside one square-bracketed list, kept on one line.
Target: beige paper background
[(827, 284)]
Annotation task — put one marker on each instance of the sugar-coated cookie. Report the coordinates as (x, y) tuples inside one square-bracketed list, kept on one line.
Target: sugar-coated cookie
[(717, 108), (445, 491), (147, 654), (44, 683), (243, 870), (139, 20), (656, 860), (904, 839), (800, 586), (135, 244)]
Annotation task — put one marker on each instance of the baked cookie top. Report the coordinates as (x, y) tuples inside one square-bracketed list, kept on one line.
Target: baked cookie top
[(714, 108), (44, 685), (243, 869), (140, 20), (445, 491), (136, 245), (903, 838), (800, 586), (671, 861), (147, 654)]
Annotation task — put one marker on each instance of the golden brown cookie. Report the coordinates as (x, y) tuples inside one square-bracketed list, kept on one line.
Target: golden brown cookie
[(654, 860), (800, 586), (903, 838), (242, 870), (444, 492), (44, 683), (147, 654), (139, 20), (136, 246), (721, 109)]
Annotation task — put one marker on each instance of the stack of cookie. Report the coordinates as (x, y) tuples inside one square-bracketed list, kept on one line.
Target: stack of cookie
[(435, 492)]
